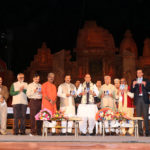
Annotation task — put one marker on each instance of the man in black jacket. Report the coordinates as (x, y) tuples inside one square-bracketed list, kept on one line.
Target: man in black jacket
[(140, 87)]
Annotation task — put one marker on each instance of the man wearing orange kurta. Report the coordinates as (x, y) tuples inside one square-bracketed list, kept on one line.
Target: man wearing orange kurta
[(49, 94)]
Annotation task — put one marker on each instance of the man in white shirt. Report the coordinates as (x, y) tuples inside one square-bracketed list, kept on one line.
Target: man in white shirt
[(19, 102), (35, 96), (87, 109), (67, 92)]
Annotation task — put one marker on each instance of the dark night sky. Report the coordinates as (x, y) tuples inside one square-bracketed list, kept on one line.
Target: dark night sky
[(28, 23)]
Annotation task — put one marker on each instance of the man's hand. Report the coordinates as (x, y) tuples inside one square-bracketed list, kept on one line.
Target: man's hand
[(68, 95), (21, 88), (47, 98), (110, 95), (83, 93), (92, 93), (125, 90), (102, 95), (98, 104), (144, 83), (134, 83), (52, 102), (1, 99), (35, 90)]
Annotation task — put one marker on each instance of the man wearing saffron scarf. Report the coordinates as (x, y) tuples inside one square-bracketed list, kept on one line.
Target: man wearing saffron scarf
[(126, 105), (49, 94)]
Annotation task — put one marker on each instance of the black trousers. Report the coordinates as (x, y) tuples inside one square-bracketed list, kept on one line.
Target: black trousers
[(19, 114), (35, 107), (142, 110)]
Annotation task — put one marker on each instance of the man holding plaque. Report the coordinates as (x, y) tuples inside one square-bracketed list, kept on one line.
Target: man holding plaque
[(140, 87), (67, 93), (35, 96), (87, 109), (107, 95)]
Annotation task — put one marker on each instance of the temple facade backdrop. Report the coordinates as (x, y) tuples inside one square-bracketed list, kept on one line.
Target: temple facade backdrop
[(95, 53)]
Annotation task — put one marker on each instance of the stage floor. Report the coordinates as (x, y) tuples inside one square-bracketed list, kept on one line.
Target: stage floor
[(26, 142)]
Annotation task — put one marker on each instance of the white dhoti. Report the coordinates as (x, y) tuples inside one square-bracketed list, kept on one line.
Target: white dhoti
[(87, 112), (69, 112)]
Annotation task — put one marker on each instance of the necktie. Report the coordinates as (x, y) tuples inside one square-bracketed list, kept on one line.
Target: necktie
[(140, 88), (87, 96)]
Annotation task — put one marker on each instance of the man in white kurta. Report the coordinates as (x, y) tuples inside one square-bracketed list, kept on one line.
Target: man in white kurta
[(87, 109), (107, 95), (67, 92)]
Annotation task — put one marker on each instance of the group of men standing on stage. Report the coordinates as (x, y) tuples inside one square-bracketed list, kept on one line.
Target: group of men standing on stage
[(81, 99)]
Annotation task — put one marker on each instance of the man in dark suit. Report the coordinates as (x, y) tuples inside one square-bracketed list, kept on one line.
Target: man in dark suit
[(140, 88)]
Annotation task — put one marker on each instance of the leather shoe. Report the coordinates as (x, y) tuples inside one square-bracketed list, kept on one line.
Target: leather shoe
[(83, 134), (39, 133), (22, 133), (62, 134), (141, 134), (147, 134), (113, 133), (69, 133), (92, 134), (15, 133), (107, 133)]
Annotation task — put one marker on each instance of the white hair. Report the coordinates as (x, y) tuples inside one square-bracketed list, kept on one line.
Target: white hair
[(116, 80)]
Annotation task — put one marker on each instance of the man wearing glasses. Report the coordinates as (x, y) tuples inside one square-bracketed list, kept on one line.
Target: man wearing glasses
[(19, 102)]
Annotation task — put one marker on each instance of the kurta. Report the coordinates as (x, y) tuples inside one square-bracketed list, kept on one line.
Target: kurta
[(126, 103), (67, 104), (49, 90), (108, 101)]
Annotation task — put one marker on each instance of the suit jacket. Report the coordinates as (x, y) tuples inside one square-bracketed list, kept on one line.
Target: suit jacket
[(145, 90)]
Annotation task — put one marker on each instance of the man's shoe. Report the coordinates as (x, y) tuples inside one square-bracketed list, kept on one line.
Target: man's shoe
[(63, 134), (92, 134), (147, 134), (4, 133), (82, 134), (22, 133), (113, 133), (31, 134), (40, 133), (15, 133), (141, 134), (70, 134), (107, 133)]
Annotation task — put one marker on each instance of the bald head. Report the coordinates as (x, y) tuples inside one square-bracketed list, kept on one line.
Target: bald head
[(107, 79), (51, 77)]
